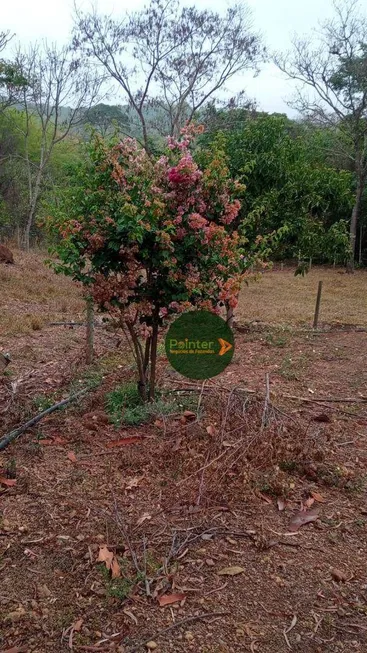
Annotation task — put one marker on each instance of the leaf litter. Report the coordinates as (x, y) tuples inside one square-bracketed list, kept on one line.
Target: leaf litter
[(231, 571), (301, 518), (302, 583), (169, 599), (110, 560)]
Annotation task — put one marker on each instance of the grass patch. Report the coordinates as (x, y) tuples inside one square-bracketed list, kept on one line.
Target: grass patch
[(35, 295), (125, 406), (281, 298), (120, 588), (42, 402), (91, 379), (276, 339), (292, 368)]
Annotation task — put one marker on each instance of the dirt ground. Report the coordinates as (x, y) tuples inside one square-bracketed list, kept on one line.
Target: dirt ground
[(198, 515)]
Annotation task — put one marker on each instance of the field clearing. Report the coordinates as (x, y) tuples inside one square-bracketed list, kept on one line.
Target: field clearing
[(183, 500), (32, 295), (278, 297)]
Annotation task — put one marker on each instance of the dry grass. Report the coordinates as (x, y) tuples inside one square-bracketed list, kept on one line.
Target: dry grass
[(31, 295), (281, 298)]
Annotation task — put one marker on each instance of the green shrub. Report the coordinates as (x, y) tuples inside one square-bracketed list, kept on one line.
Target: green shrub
[(125, 406)]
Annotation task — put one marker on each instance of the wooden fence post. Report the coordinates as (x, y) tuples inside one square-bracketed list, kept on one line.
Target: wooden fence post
[(89, 345), (317, 307)]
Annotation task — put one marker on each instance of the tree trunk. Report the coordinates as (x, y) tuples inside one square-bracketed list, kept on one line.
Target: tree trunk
[(147, 354), (32, 209), (354, 221), (360, 244), (139, 361), (27, 231), (153, 354), (230, 315), (89, 345)]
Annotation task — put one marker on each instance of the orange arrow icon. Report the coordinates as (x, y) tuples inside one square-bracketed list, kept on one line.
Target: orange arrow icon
[(224, 346)]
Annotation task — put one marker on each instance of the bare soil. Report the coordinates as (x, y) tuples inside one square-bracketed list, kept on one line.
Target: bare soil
[(193, 495)]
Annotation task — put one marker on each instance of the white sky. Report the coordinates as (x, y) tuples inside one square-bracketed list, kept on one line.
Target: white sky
[(277, 20)]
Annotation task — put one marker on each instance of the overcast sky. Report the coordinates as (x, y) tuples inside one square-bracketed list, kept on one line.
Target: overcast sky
[(277, 20)]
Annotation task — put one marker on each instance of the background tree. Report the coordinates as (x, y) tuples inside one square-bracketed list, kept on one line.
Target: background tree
[(14, 172), (11, 78), (180, 57), (333, 91), (54, 81), (291, 188), (105, 118)]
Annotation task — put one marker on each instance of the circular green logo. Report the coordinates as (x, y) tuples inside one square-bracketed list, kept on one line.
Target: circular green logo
[(199, 344)]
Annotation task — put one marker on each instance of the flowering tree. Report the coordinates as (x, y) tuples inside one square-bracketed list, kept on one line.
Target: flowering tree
[(151, 238)]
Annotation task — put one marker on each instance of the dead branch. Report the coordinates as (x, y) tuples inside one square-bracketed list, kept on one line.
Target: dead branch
[(74, 324), (125, 533), (265, 417), (346, 400), (178, 624), (6, 439)]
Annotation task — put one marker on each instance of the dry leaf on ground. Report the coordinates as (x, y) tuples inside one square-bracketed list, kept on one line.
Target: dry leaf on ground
[(72, 456), (318, 497), (106, 556), (309, 502), (110, 560), (9, 482), (230, 571), (265, 498), (55, 440), (301, 518), (323, 418), (131, 615), (133, 482), (189, 415), (125, 441), (143, 518), (77, 625), (168, 599), (338, 575), (115, 568), (280, 504), (292, 624), (58, 440)]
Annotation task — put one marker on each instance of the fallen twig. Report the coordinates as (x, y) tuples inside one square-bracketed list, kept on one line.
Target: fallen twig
[(126, 535), (357, 626), (177, 624), (265, 417), (6, 439), (346, 400), (212, 386), (287, 630), (76, 324)]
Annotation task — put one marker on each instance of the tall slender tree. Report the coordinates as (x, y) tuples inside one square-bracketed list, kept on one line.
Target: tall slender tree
[(169, 58), (11, 79), (58, 92), (333, 89)]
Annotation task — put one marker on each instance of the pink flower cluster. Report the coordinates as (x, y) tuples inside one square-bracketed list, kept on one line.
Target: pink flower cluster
[(196, 221), (185, 172), (231, 212)]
